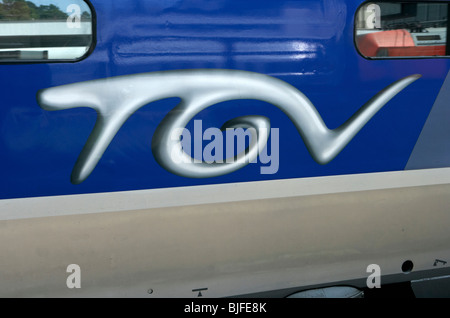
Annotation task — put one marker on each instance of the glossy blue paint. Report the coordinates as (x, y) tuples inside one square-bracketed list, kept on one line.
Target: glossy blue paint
[(309, 44)]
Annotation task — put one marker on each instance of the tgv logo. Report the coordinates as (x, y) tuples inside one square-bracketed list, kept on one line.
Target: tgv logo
[(116, 99)]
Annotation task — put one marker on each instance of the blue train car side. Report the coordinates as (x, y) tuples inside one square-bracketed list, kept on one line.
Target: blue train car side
[(246, 148)]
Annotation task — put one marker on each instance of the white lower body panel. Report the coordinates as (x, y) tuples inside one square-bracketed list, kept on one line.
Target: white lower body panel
[(227, 240)]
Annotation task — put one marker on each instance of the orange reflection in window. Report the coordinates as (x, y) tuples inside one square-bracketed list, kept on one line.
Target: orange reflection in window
[(395, 43)]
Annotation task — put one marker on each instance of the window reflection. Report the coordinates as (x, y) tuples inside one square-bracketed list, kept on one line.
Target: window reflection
[(402, 29), (44, 30)]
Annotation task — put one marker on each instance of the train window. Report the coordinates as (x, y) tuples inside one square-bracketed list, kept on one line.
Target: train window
[(402, 29), (45, 30)]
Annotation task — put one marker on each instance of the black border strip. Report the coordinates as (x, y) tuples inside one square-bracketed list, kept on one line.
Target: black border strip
[(44, 41)]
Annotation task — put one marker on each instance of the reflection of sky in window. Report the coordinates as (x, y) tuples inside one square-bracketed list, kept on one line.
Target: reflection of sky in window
[(62, 4)]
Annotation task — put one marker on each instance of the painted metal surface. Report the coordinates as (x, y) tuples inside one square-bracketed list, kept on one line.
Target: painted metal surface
[(134, 222), (230, 248), (198, 90), (306, 44)]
